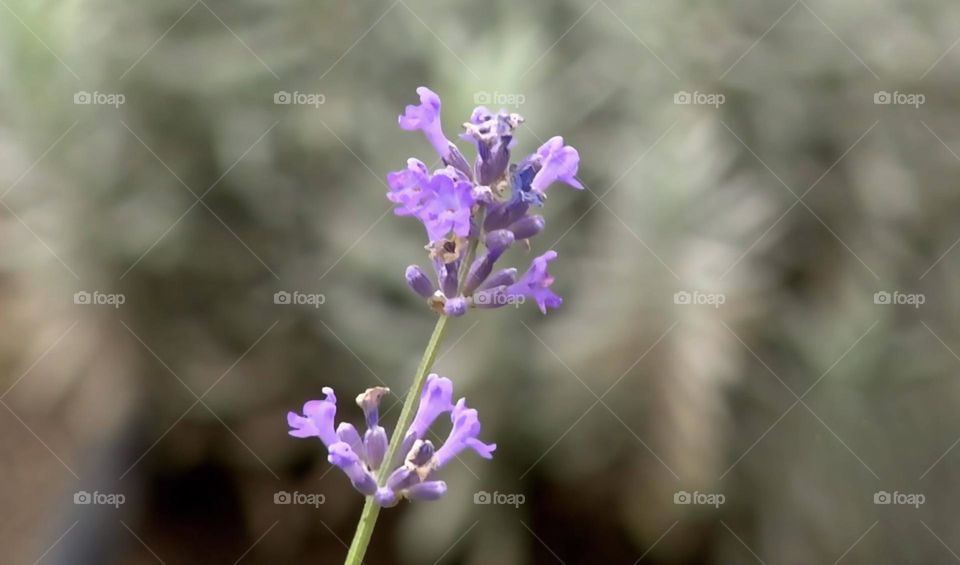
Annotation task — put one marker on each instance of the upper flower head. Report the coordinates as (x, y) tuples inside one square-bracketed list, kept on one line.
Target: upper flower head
[(488, 205)]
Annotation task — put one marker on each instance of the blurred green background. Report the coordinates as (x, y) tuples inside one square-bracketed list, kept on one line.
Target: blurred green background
[(823, 172)]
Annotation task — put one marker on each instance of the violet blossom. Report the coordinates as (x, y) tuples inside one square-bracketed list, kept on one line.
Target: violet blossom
[(489, 203), (415, 477)]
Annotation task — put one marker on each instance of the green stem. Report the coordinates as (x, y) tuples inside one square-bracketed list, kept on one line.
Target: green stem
[(368, 518)]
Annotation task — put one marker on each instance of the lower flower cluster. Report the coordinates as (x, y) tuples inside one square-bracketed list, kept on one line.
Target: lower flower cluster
[(415, 475)]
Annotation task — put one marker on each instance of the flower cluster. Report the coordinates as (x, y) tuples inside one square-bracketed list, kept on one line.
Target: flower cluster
[(415, 476), (462, 206)]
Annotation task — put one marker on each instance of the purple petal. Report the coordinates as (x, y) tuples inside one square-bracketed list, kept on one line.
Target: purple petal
[(559, 162), (369, 402), (425, 491), (466, 428), (418, 281), (500, 278), (317, 419), (426, 117), (385, 497), (349, 435), (447, 275), (375, 445), (536, 282), (349, 462), (448, 209), (455, 307), (435, 400), (527, 227), (498, 241), (409, 188), (493, 136)]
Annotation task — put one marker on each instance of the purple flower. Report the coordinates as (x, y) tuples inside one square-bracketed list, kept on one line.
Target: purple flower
[(357, 457), (409, 188), (414, 478), (493, 136), (375, 438), (419, 282), (448, 208), (426, 117), (484, 209), (435, 399), (343, 456), (317, 419), (466, 428), (535, 284), (558, 162)]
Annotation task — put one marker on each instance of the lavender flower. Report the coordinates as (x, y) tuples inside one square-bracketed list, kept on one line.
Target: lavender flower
[(462, 206), (558, 162), (473, 215), (536, 283), (426, 117), (414, 478)]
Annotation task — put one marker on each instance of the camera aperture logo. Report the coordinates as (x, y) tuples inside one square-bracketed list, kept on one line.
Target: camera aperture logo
[(97, 298), (284, 297), (695, 98), (84, 98), (897, 98), (500, 498), (714, 499), (297, 98), (697, 298), (314, 499), (914, 499), (99, 498), (495, 98), (899, 298), (493, 299)]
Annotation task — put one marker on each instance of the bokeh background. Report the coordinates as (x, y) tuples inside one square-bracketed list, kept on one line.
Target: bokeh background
[(799, 194)]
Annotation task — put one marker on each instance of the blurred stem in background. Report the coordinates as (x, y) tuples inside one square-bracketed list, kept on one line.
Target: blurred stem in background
[(368, 518)]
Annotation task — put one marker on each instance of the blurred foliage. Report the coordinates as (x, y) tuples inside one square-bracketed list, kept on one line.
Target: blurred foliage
[(198, 198)]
